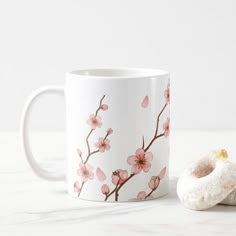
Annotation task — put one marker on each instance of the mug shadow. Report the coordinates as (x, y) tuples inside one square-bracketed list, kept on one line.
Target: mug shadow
[(95, 210), (103, 210)]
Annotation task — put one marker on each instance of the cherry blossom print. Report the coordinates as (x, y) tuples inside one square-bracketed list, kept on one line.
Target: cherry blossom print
[(162, 173), (94, 121), (145, 102), (105, 189), (154, 182), (119, 176), (166, 127), (102, 144), (167, 93), (79, 152), (104, 107), (77, 187), (85, 171), (109, 131), (100, 175), (140, 161), (142, 196)]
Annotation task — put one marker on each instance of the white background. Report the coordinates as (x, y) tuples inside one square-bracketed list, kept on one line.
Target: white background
[(194, 40)]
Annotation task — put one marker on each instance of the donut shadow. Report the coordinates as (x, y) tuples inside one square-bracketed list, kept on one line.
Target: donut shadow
[(222, 208)]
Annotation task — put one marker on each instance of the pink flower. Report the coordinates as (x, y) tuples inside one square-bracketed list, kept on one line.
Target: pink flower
[(100, 174), (79, 152), (166, 127), (143, 196), (104, 107), (145, 102), (105, 189), (85, 171), (102, 144), (119, 176), (109, 131), (140, 161), (167, 93), (154, 182), (162, 173), (77, 187), (94, 121)]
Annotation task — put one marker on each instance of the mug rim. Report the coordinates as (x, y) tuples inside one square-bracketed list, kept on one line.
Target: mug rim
[(116, 73)]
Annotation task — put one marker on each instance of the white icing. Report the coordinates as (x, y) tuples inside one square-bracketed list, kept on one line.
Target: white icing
[(199, 192)]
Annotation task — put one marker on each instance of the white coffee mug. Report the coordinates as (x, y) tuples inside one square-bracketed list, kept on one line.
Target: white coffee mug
[(117, 134)]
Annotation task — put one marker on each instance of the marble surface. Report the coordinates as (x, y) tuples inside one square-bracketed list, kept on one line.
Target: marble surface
[(32, 206)]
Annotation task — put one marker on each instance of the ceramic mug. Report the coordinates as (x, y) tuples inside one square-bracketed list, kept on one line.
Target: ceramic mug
[(117, 134)]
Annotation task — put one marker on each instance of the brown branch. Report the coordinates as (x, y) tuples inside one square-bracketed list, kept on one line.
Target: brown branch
[(143, 143), (91, 131), (100, 105), (153, 189), (152, 141), (82, 185), (90, 154), (158, 117), (93, 152), (117, 190), (108, 195), (156, 131), (88, 141)]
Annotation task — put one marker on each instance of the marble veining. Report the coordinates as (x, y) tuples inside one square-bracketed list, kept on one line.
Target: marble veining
[(33, 206)]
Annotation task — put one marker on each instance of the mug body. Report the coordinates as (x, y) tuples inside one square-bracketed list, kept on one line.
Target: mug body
[(117, 127)]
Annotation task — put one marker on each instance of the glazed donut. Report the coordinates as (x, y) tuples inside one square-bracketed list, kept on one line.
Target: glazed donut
[(209, 181)]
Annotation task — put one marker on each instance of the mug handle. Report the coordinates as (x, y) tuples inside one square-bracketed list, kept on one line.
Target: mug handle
[(41, 172)]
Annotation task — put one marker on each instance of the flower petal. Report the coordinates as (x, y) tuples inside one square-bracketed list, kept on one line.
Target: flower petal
[(141, 195), (136, 169), (148, 156), (162, 173), (145, 102), (100, 174), (107, 147), (139, 152), (105, 189), (131, 160), (123, 174), (147, 167)]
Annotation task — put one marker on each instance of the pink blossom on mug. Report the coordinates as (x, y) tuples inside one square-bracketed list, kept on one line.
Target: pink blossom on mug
[(162, 173), (85, 171), (100, 174), (79, 152), (102, 144), (94, 121), (154, 182), (145, 102), (166, 127), (104, 107), (140, 161), (109, 131), (77, 187), (167, 93), (119, 176), (105, 189), (143, 196)]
